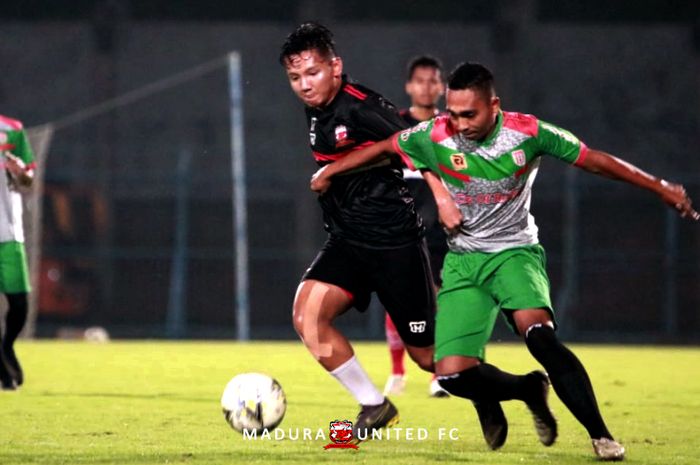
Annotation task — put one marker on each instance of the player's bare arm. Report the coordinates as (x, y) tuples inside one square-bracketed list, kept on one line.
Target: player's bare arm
[(674, 195), (321, 179), (450, 215), (18, 170)]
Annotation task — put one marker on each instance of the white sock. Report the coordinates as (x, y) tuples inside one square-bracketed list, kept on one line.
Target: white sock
[(354, 378)]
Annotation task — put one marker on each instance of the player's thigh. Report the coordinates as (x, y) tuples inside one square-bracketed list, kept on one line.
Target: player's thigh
[(465, 319), (520, 283), (317, 304), (404, 286), (14, 275), (339, 264)]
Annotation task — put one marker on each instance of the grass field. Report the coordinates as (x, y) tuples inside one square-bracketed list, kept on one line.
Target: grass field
[(155, 402)]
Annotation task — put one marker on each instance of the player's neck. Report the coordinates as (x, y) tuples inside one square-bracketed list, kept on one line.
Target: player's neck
[(423, 113)]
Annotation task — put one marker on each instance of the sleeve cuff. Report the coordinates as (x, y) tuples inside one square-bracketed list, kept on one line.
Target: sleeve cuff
[(582, 154)]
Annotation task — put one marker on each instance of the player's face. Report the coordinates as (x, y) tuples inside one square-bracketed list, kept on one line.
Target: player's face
[(473, 113), (425, 87), (314, 79)]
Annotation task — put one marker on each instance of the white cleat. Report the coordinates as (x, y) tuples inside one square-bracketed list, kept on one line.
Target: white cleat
[(608, 450), (395, 385), (436, 390)]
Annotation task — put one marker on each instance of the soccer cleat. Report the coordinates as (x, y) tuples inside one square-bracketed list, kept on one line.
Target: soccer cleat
[(395, 385), (608, 450), (436, 390), (493, 423), (545, 423), (7, 382), (13, 366), (372, 418)]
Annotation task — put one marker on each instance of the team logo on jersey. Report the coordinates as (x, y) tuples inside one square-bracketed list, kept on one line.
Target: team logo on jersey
[(459, 161), (416, 326), (519, 157), (312, 131), (341, 134)]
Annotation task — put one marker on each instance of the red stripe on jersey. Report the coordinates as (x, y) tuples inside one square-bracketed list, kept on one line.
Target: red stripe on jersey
[(337, 156), (404, 156), (13, 123), (442, 129), (454, 174), (354, 92), (7, 146), (521, 171), (526, 124)]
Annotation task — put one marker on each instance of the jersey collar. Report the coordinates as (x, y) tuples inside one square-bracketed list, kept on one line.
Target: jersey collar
[(496, 129)]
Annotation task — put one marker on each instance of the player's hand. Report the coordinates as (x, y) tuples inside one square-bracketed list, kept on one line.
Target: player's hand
[(320, 182), (14, 165), (677, 198), (450, 215)]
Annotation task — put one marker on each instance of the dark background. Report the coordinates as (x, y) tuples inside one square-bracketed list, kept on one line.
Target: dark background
[(622, 75)]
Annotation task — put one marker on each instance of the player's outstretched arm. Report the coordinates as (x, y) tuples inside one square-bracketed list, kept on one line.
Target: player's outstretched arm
[(673, 195), (449, 213), (321, 179)]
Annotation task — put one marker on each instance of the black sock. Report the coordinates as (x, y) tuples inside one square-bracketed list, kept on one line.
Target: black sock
[(569, 379), (16, 317), (486, 383)]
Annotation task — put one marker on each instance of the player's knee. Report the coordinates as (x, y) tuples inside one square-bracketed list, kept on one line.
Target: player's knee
[(423, 357)]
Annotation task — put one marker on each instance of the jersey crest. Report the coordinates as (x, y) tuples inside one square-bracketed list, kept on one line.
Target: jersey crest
[(519, 157)]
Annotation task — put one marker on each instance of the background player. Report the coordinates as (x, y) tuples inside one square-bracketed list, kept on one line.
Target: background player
[(375, 237), (425, 87), (488, 160), (18, 160)]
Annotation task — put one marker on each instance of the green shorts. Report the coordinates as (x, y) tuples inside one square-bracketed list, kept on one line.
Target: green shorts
[(476, 285), (14, 276)]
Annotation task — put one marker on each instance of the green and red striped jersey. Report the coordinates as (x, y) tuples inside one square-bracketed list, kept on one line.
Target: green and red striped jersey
[(490, 180)]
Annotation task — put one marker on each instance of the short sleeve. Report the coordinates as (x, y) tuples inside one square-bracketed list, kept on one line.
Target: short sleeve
[(21, 149), (415, 147), (560, 143), (376, 118)]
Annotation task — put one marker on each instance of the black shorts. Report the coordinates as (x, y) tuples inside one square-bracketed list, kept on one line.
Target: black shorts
[(401, 278)]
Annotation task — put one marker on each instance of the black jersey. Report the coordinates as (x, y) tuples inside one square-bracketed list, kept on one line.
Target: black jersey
[(406, 115), (370, 207)]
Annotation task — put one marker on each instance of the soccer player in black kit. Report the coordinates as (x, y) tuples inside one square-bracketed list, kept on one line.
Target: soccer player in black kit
[(375, 241)]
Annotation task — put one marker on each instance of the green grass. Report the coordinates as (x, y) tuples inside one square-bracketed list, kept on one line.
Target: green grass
[(154, 402)]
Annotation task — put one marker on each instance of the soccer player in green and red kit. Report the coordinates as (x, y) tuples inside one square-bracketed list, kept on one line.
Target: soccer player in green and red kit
[(18, 161), (487, 160)]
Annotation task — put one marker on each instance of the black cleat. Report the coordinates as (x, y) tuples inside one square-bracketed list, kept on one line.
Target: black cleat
[(372, 418), (13, 366), (545, 423), (493, 423), (7, 382)]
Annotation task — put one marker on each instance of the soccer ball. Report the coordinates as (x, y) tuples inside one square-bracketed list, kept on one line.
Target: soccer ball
[(253, 402)]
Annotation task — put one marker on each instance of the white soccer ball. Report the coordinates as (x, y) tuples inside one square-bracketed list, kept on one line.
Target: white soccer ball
[(253, 402)]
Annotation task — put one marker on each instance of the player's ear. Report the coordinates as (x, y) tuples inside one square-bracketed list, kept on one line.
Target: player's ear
[(337, 67), (495, 103)]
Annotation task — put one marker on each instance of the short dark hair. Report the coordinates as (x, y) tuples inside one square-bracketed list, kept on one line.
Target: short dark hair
[(422, 61), (308, 36), (472, 76)]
